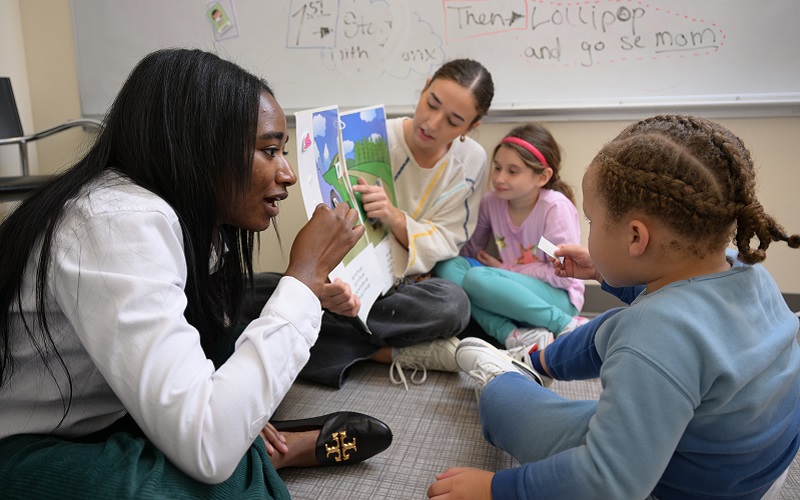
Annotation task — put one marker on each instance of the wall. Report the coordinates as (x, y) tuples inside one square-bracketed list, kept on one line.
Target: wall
[(37, 52), (773, 141), (53, 80), (12, 64)]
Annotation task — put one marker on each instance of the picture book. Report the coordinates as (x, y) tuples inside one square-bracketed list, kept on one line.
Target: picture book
[(334, 150), (365, 144)]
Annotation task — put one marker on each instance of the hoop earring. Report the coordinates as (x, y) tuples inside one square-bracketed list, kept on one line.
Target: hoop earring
[(463, 138)]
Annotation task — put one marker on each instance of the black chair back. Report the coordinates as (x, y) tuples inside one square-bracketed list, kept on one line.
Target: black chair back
[(10, 124)]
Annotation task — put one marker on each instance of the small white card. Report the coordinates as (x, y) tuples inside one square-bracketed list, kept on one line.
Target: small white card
[(547, 247)]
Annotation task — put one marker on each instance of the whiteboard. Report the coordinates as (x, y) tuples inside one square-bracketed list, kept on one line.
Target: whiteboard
[(556, 56)]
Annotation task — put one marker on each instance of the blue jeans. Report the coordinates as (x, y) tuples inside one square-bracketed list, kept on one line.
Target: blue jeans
[(530, 422), (514, 409)]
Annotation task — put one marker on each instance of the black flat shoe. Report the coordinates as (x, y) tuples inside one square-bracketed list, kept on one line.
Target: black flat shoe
[(345, 437)]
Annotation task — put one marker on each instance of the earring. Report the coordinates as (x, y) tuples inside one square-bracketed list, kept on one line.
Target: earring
[(463, 138)]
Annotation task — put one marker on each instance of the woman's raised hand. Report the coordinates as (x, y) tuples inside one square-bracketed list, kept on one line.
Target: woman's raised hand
[(322, 243)]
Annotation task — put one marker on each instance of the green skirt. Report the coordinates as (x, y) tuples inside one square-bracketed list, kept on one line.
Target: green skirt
[(119, 462)]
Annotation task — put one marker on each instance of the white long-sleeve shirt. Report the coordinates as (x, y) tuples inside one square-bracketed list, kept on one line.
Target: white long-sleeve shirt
[(441, 203), (115, 299)]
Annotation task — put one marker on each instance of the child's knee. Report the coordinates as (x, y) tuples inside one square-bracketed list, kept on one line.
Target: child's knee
[(452, 269)]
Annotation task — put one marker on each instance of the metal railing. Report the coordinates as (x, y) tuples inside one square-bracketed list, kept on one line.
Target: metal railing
[(23, 141)]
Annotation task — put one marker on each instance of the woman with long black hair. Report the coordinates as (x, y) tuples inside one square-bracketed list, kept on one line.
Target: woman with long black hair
[(121, 374)]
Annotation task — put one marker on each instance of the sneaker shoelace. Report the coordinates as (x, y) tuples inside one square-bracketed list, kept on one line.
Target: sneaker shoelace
[(482, 377), (398, 365)]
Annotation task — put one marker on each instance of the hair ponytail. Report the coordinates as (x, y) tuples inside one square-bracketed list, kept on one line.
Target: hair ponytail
[(694, 175)]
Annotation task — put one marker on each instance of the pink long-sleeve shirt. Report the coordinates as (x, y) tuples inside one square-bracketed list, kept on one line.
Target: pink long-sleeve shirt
[(553, 216)]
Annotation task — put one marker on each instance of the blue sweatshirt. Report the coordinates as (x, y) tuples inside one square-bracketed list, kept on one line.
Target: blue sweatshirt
[(701, 388)]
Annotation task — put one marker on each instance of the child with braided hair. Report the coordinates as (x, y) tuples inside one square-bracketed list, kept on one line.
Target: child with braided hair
[(701, 373)]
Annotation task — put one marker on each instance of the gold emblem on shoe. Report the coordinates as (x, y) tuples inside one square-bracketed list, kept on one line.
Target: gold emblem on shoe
[(341, 448)]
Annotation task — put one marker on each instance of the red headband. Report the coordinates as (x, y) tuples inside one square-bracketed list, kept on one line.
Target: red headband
[(527, 145)]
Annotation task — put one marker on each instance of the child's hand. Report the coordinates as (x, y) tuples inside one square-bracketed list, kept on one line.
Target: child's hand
[(462, 483), (487, 260), (338, 297), (577, 263)]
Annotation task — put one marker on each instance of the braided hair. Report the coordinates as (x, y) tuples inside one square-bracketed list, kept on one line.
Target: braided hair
[(695, 176)]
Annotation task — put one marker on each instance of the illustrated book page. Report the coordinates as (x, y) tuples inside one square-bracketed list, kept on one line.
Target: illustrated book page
[(365, 144), (323, 179)]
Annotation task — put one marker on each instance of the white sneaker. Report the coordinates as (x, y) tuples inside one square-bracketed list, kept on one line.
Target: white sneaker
[(574, 323), (523, 355), (483, 362), (539, 336), (439, 354)]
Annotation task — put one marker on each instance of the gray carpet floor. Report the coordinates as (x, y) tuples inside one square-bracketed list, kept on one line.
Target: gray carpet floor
[(435, 426)]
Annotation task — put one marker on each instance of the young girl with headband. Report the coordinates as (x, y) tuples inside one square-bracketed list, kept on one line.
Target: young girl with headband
[(517, 298)]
